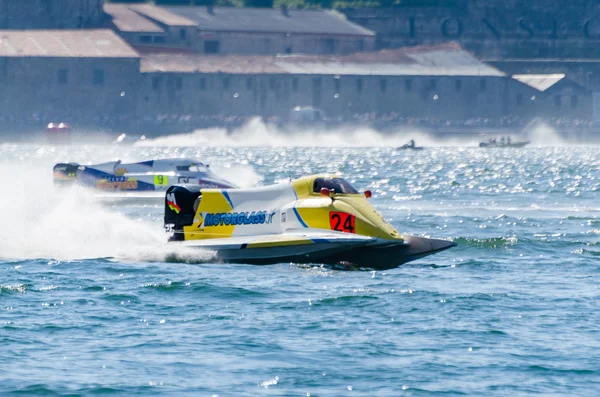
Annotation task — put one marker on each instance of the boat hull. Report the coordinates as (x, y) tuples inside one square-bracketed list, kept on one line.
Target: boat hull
[(377, 256), (410, 148), (504, 145)]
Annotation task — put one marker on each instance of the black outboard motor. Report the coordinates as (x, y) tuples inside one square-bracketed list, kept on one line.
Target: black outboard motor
[(65, 174), (181, 202)]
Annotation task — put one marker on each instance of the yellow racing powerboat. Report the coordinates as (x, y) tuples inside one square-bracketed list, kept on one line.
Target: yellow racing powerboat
[(313, 219)]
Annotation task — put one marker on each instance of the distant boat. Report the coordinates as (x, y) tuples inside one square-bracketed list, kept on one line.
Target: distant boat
[(517, 144), (409, 147)]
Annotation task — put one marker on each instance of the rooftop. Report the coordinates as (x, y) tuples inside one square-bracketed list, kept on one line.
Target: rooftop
[(64, 43), (540, 82), (441, 60), (270, 20), (162, 15), (127, 20)]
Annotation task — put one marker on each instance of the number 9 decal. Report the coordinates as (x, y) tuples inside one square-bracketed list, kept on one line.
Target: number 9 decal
[(161, 180), (342, 222)]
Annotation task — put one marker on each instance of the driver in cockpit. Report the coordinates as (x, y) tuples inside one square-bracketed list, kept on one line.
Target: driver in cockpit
[(324, 183)]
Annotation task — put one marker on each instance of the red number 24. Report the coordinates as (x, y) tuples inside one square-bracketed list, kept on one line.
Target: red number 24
[(342, 222)]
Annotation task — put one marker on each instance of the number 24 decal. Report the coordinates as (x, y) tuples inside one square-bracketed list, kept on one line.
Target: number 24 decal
[(342, 222)]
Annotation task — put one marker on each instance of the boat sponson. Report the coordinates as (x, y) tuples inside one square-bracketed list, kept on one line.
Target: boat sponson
[(373, 256)]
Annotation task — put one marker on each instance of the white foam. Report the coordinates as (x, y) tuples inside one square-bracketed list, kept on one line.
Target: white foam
[(41, 221), (541, 134), (256, 133), (239, 174)]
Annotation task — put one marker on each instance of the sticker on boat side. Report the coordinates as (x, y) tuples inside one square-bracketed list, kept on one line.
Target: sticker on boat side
[(161, 180), (120, 171), (342, 222), (238, 218), (117, 183), (172, 204)]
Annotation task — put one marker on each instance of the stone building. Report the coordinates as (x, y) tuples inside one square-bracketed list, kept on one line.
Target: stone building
[(84, 77), (170, 31), (134, 28), (64, 75), (443, 82), (517, 37), (552, 95), (230, 30), (498, 29), (194, 61)]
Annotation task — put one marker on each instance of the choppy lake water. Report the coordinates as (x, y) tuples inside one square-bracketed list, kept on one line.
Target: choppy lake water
[(95, 302)]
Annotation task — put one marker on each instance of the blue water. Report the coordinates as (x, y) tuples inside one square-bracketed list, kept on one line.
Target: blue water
[(94, 302)]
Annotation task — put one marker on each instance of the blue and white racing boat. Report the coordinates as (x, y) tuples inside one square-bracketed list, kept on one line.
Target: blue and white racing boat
[(146, 176)]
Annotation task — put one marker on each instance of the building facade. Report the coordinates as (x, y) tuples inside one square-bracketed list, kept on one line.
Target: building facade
[(441, 82), (230, 30), (202, 61), (492, 29), (60, 75)]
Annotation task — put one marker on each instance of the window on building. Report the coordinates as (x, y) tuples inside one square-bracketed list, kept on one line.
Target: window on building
[(295, 84), (557, 101), (482, 85), (382, 85), (265, 46), (316, 98), (178, 82), (360, 45), (248, 83), (458, 85), (212, 47), (63, 76), (574, 101), (182, 34), (202, 83), (408, 85), (316, 92), (145, 39), (288, 50), (226, 82), (359, 85), (155, 83), (337, 84), (272, 83), (519, 99), (159, 39), (328, 46), (98, 77)]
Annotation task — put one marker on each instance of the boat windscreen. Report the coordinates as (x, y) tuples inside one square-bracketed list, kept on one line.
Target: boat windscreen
[(339, 185), (198, 168)]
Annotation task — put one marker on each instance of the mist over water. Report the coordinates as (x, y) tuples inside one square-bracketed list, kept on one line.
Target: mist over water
[(44, 221), (543, 135), (256, 133)]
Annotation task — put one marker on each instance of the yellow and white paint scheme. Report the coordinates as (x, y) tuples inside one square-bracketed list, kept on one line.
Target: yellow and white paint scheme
[(318, 218)]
